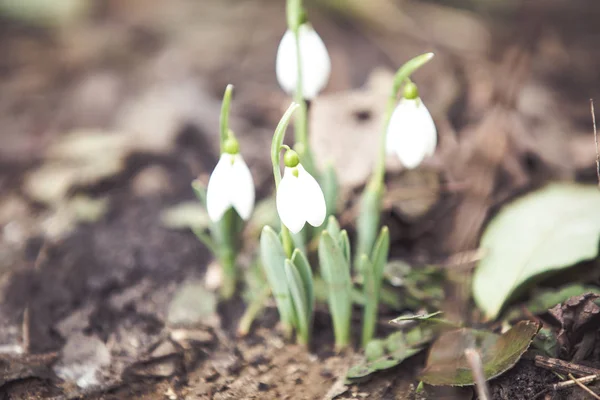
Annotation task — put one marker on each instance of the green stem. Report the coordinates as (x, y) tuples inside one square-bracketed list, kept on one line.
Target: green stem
[(228, 253), (370, 205), (255, 307)]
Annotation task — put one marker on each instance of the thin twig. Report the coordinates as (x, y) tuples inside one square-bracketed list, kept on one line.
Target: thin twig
[(581, 385), (564, 367), (474, 360), (596, 140), (572, 382)]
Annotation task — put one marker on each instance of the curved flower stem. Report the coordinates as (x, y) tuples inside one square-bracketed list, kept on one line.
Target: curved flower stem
[(224, 120), (370, 204), (276, 145)]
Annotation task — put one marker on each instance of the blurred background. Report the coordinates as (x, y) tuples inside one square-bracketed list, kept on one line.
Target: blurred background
[(109, 109)]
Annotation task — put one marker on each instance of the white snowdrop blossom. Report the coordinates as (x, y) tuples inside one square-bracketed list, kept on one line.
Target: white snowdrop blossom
[(411, 133), (316, 65), (300, 199), (230, 185)]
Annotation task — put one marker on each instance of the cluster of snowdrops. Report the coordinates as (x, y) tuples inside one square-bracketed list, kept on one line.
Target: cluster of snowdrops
[(306, 195)]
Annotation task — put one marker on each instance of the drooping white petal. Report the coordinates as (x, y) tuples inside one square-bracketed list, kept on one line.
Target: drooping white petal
[(242, 195), (411, 133), (313, 205), (290, 202), (316, 64), (218, 192)]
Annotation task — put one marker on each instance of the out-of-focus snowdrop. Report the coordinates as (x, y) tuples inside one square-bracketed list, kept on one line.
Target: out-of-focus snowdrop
[(230, 185), (411, 133), (314, 58)]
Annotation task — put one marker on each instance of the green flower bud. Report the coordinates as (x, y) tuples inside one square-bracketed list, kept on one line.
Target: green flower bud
[(231, 145), (291, 159), (411, 92)]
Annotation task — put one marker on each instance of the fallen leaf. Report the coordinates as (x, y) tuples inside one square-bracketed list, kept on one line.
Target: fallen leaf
[(575, 316), (545, 231), (447, 364)]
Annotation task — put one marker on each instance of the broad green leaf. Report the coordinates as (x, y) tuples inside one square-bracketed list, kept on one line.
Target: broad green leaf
[(300, 300), (273, 261), (545, 231), (336, 272), (447, 364)]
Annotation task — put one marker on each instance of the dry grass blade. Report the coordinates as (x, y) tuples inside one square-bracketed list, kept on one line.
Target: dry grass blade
[(581, 385), (474, 360), (595, 140)]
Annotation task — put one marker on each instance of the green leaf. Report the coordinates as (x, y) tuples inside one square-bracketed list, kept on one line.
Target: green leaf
[(546, 342), (545, 231), (447, 364), (367, 223), (336, 273), (373, 274), (387, 353), (333, 227), (345, 245), (303, 267), (300, 300), (224, 119), (330, 186), (273, 261), (542, 300), (199, 191)]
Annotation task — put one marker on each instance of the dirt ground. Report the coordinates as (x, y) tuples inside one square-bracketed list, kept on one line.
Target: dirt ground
[(509, 90)]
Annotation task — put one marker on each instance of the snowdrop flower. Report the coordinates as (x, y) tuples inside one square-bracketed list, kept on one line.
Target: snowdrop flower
[(299, 196), (316, 65), (411, 133), (230, 184)]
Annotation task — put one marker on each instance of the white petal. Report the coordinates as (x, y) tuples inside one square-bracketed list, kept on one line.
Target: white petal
[(218, 192), (316, 64), (313, 204), (289, 202), (243, 188), (411, 133)]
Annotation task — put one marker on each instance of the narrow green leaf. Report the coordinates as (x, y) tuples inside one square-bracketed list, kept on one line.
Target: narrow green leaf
[(224, 120), (336, 272), (380, 256), (206, 239), (370, 308), (333, 227), (298, 239), (299, 298), (373, 274), (330, 185), (367, 224), (273, 261), (345, 245), (305, 271), (199, 191)]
